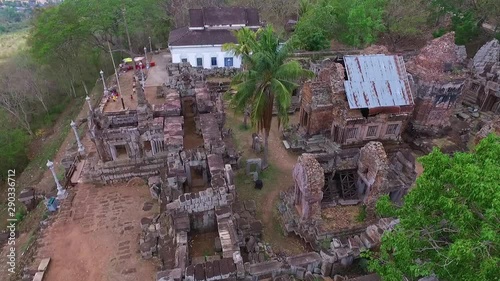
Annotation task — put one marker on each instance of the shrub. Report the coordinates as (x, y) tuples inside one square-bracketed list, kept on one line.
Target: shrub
[(362, 214), (438, 33)]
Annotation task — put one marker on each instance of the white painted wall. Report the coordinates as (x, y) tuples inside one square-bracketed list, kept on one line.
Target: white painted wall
[(191, 53)]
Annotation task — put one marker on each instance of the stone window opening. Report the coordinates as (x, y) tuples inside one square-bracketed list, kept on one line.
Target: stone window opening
[(392, 129), (348, 188), (199, 62), (213, 61), (184, 60), (372, 132), (121, 151), (351, 133), (147, 146)]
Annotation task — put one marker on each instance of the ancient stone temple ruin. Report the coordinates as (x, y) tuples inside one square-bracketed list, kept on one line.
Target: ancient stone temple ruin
[(166, 131), (483, 89), (439, 73), (356, 99), (349, 179), (308, 191)]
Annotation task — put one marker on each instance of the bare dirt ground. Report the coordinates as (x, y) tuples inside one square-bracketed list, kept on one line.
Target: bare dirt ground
[(96, 237), (341, 217)]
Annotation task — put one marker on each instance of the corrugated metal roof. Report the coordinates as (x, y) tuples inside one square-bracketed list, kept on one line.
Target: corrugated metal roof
[(376, 81)]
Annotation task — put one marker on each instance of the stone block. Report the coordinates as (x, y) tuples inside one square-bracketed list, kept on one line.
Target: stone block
[(367, 241), (240, 270), (199, 272), (326, 268), (182, 238), (250, 206), (213, 258), (181, 257), (255, 163), (262, 268), (305, 260), (173, 205), (38, 276), (250, 245), (44, 264), (347, 261), (300, 273), (342, 252), (198, 260), (209, 271), (189, 276)]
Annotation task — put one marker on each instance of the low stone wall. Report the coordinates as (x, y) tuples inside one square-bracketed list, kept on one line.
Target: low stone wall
[(232, 268), (123, 170), (312, 232), (202, 201), (344, 251)]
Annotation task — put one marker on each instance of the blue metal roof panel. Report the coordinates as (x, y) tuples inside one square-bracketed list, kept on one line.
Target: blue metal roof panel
[(376, 81)]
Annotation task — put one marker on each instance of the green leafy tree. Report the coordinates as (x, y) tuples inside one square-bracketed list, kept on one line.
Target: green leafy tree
[(356, 23), (304, 7), (360, 21), (74, 35), (315, 28), (268, 81), (405, 18), (465, 26), (13, 146), (449, 222)]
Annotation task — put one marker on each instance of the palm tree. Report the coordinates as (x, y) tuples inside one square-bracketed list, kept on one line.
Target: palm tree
[(269, 78), (247, 40)]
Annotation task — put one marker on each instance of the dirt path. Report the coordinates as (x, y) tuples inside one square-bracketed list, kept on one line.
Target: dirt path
[(96, 238), (284, 162)]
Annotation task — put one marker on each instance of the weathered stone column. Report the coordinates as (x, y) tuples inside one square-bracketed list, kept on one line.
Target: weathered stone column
[(88, 102), (81, 149), (61, 192)]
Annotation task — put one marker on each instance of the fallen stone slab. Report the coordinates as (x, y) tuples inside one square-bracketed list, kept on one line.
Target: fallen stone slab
[(264, 267), (38, 276), (44, 264)]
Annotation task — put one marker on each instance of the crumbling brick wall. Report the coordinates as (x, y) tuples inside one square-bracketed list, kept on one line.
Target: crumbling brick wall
[(309, 180), (435, 103), (373, 167), (439, 76)]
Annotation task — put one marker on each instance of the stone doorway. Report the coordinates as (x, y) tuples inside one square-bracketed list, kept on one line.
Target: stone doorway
[(198, 179)]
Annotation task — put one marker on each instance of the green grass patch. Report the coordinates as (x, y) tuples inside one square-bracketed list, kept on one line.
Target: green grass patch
[(11, 43), (362, 214), (243, 128)]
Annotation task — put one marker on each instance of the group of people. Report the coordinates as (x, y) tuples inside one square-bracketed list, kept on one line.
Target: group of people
[(113, 95)]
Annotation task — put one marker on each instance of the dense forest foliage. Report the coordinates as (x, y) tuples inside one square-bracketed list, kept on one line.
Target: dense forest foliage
[(362, 22)]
